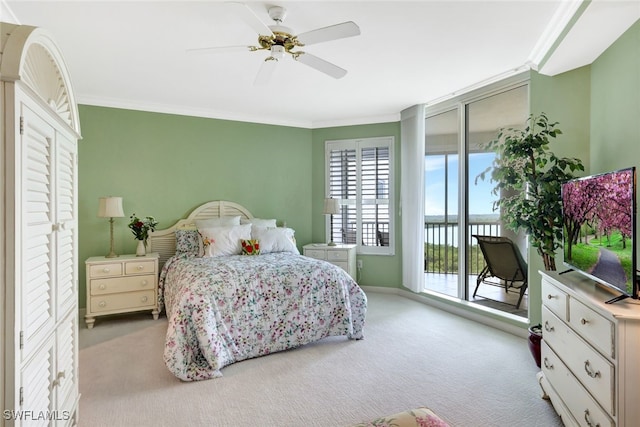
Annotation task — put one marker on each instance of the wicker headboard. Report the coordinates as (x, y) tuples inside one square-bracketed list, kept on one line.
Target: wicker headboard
[(164, 241)]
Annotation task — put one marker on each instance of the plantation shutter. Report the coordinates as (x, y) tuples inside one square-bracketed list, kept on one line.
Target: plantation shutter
[(343, 186), (359, 175)]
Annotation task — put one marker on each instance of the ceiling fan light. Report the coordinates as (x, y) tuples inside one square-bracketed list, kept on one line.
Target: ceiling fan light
[(277, 52)]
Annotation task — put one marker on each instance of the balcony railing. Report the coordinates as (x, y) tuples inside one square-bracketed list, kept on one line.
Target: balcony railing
[(441, 246), (441, 242)]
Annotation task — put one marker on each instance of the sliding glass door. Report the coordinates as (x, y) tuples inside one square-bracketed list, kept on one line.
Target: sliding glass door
[(458, 202)]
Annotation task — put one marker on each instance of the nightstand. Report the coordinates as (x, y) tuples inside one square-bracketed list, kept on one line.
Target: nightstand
[(343, 256), (123, 284)]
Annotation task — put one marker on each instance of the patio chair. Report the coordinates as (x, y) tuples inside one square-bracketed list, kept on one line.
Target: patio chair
[(504, 262)]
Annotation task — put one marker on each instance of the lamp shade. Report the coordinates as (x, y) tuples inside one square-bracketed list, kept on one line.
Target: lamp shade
[(110, 207), (331, 206)]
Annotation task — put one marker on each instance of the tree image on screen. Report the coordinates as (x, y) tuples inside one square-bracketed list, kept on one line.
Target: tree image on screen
[(598, 219)]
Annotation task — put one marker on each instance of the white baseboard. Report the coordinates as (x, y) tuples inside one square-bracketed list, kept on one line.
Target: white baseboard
[(506, 322)]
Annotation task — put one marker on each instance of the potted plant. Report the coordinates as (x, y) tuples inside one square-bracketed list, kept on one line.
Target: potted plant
[(528, 180)]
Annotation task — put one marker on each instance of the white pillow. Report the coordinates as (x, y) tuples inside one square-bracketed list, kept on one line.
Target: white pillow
[(259, 222), (217, 222), (226, 240), (275, 240)]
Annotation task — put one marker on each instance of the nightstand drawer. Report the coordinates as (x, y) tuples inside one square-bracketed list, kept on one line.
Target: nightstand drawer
[(337, 256), (315, 253), (105, 270), (122, 284), (342, 265), (140, 267), (127, 300)]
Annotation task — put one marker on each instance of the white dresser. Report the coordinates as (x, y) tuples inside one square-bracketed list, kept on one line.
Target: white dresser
[(123, 284), (590, 352), (341, 255)]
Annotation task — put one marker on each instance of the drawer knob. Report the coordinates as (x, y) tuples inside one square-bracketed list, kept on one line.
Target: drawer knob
[(547, 364), (144, 299), (549, 296), (102, 304), (105, 270), (548, 327), (583, 321), (102, 286), (590, 371), (140, 267), (143, 283), (587, 418)]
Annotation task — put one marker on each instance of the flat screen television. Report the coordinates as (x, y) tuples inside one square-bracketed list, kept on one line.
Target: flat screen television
[(599, 230)]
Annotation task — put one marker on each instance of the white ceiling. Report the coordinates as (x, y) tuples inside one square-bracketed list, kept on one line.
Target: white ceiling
[(133, 54)]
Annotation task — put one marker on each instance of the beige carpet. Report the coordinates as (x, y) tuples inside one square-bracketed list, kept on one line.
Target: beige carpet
[(412, 355)]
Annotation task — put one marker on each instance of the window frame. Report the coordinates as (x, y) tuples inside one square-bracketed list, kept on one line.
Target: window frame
[(358, 145)]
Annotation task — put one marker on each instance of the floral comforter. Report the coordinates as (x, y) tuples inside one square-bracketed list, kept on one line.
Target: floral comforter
[(223, 310)]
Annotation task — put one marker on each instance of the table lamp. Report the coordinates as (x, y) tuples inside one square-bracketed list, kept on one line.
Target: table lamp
[(331, 207), (110, 207)]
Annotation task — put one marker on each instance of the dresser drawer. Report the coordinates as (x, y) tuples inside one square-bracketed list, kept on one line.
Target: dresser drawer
[(127, 300), (337, 256), (576, 398), (140, 267), (591, 368), (342, 265), (122, 284), (315, 253), (105, 270), (555, 299), (593, 327)]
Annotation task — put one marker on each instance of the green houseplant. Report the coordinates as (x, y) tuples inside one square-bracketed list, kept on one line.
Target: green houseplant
[(528, 180)]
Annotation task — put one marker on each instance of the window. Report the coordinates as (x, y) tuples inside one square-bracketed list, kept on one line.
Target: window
[(359, 173)]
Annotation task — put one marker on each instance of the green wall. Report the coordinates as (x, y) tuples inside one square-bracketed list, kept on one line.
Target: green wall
[(377, 270), (615, 105), (165, 165)]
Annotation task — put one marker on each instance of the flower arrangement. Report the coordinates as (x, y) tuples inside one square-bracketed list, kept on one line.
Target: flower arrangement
[(141, 227)]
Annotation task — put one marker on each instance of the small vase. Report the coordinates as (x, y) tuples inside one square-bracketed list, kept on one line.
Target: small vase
[(141, 250)]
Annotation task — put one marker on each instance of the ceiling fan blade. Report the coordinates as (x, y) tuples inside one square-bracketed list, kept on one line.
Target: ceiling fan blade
[(321, 65), (221, 49), (333, 32), (250, 18), (266, 71)]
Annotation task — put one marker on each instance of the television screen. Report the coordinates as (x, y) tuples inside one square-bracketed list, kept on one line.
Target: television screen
[(599, 229)]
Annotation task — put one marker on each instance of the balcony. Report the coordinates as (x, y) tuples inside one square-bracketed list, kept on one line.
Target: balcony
[(441, 265)]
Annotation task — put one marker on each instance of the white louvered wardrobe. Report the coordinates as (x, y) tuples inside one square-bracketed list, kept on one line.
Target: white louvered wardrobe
[(39, 268)]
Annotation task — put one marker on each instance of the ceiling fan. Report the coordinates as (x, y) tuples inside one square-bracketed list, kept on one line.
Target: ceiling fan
[(280, 41)]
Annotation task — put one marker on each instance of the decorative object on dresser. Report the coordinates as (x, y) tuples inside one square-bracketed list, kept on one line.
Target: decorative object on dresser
[(110, 207), (140, 229), (343, 256), (331, 207), (39, 223), (590, 352), (125, 285)]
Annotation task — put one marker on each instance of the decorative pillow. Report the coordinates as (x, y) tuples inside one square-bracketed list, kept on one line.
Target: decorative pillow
[(250, 247), (275, 240), (217, 222), (188, 242), (226, 240), (418, 417), (259, 222)]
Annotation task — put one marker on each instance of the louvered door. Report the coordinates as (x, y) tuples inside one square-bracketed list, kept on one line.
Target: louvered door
[(65, 225), (37, 298)]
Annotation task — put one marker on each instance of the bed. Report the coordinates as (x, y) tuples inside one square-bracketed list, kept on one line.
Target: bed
[(223, 307)]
